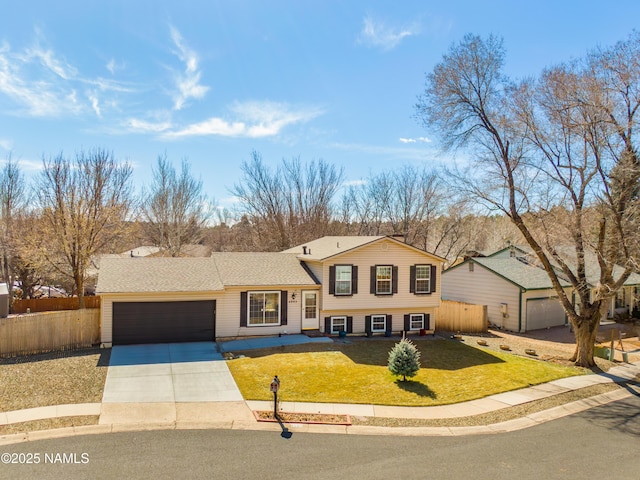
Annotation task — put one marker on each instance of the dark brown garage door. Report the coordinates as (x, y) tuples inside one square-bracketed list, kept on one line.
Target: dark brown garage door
[(163, 322)]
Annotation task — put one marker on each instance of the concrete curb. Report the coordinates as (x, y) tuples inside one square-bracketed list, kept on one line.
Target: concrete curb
[(503, 427)]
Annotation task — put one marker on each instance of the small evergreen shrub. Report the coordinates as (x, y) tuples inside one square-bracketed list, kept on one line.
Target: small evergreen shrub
[(404, 359)]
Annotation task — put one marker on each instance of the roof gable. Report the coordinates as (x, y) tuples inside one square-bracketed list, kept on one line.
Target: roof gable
[(332, 246)]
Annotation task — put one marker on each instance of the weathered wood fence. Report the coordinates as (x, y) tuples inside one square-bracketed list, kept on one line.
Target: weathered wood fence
[(49, 331), (53, 304), (463, 317)]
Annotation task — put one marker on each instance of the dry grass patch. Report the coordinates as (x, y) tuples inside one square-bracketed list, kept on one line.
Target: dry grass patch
[(52, 379), (356, 372)]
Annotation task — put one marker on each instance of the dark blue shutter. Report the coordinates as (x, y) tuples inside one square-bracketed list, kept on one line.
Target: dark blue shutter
[(243, 309), (354, 279), (332, 280), (432, 287), (284, 307), (368, 327), (407, 323), (372, 281), (412, 279), (327, 324), (394, 280), (389, 325), (349, 324)]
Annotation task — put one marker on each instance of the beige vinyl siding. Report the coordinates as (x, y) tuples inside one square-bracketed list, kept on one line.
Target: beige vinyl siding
[(397, 317), (381, 253), (227, 310), (483, 287)]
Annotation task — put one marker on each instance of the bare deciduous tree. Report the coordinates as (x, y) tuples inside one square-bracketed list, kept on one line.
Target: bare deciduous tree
[(83, 202), (175, 210), (12, 203), (560, 148), (290, 205)]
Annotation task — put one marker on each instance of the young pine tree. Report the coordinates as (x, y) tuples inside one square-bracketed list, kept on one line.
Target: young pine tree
[(404, 359)]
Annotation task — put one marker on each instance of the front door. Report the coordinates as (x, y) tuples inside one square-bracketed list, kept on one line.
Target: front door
[(310, 320)]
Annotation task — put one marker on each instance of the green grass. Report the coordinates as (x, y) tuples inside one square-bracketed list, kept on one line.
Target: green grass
[(357, 373)]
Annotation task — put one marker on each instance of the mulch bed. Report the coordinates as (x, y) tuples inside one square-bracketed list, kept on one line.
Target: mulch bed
[(313, 418)]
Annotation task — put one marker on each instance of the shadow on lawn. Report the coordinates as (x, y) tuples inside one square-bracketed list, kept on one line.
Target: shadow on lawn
[(418, 388), (436, 353)]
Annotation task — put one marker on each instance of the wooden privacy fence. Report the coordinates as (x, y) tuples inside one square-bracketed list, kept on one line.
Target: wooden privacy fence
[(49, 331), (53, 304), (461, 317)]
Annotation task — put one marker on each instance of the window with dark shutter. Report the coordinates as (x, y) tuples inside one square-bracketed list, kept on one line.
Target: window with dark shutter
[(421, 279)]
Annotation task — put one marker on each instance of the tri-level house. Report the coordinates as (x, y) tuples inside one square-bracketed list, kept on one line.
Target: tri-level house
[(351, 284)]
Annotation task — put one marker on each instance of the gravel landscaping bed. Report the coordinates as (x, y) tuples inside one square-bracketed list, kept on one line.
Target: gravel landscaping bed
[(53, 379), (554, 352)]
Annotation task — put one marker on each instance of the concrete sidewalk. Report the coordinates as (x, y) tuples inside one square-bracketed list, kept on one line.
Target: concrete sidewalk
[(239, 415)]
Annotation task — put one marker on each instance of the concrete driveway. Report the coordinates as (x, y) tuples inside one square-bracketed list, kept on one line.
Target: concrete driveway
[(170, 372)]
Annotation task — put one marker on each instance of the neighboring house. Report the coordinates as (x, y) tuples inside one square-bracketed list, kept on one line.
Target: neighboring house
[(518, 292), (353, 284)]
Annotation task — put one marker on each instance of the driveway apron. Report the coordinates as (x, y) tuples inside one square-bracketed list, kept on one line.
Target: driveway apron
[(169, 372)]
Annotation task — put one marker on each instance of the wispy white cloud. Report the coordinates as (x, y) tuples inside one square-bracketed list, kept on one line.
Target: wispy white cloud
[(415, 140), (379, 35), (254, 119), (188, 82), (6, 144), (135, 125), (399, 153), (43, 84)]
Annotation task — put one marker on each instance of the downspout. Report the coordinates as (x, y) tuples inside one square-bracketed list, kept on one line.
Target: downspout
[(520, 311)]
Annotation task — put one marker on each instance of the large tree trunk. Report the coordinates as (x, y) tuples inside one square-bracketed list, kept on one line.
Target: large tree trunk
[(585, 331)]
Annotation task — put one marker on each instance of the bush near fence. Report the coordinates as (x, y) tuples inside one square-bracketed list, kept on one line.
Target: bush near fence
[(461, 317), (53, 304), (49, 331)]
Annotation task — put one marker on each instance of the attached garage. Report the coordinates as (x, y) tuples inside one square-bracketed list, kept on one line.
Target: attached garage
[(544, 313), (163, 322)]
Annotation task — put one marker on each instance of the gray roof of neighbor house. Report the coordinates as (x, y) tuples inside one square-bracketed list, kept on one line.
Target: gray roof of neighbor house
[(527, 276), (569, 255), (262, 268), (137, 275)]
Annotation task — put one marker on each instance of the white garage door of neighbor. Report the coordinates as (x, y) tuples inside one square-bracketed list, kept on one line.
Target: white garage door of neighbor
[(544, 313)]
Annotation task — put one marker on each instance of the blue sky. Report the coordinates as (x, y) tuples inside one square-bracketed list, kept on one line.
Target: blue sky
[(211, 81)]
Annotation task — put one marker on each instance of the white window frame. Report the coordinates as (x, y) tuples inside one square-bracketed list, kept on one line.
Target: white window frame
[(333, 319), (335, 287), (384, 323), (385, 280), (278, 309), (411, 320), (428, 279)]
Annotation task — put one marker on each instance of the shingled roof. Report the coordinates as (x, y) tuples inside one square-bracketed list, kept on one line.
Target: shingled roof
[(261, 268), (164, 274), (137, 275)]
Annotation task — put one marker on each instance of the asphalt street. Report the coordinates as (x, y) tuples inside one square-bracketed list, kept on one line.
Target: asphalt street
[(603, 442)]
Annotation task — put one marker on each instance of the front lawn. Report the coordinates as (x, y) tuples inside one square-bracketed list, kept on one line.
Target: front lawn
[(53, 379), (356, 372)]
